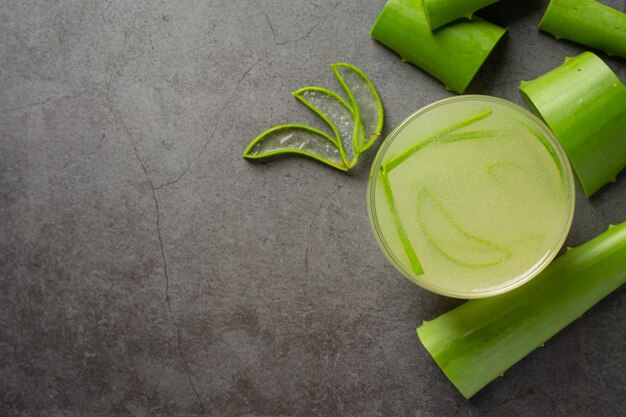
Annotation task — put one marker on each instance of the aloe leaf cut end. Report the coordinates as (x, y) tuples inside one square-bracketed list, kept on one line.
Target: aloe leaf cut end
[(478, 341), (584, 104), (441, 12), (453, 54)]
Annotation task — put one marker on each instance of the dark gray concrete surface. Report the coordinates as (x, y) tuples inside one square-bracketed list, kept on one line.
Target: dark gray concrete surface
[(146, 269)]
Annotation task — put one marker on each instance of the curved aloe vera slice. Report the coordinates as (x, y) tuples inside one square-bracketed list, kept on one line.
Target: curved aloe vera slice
[(467, 249), (478, 341), (440, 12), (452, 54), (339, 116), (365, 101), (584, 103), (588, 22), (296, 139)]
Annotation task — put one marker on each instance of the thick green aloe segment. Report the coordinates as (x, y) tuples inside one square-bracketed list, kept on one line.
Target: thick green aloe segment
[(338, 115), (478, 341), (365, 101), (440, 12), (296, 139), (588, 22), (584, 104), (452, 54)]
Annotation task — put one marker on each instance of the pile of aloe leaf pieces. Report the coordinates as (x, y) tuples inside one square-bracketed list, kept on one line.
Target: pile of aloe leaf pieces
[(582, 101)]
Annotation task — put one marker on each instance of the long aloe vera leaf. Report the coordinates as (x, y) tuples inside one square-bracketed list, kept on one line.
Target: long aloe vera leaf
[(406, 244), (478, 341), (339, 116), (588, 22), (296, 139), (440, 12), (365, 101), (438, 135), (452, 54), (584, 104)]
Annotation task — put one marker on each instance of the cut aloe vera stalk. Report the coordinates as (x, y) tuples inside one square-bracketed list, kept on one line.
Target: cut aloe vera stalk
[(452, 54), (365, 101), (588, 22), (478, 341), (338, 115), (296, 139), (438, 135), (584, 103), (440, 12)]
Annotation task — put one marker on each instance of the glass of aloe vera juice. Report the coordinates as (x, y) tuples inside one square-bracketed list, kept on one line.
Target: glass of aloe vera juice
[(471, 196)]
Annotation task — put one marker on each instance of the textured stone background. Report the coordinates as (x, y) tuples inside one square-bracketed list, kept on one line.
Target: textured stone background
[(146, 269)]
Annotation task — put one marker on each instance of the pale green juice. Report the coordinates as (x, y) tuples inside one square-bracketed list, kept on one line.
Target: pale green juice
[(474, 191)]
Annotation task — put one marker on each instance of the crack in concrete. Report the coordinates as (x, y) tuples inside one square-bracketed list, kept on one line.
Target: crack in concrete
[(153, 191), (40, 103), (306, 35), (308, 237), (206, 143)]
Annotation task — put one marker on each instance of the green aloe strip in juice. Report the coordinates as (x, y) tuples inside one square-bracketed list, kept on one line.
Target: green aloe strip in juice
[(471, 196)]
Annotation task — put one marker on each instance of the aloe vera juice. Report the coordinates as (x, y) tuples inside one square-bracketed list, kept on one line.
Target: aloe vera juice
[(481, 192)]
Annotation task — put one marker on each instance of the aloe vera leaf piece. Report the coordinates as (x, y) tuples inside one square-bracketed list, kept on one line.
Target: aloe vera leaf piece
[(339, 116), (478, 341), (440, 12), (404, 238), (468, 249), (397, 160), (584, 104), (364, 98), (588, 22), (452, 54), (296, 139)]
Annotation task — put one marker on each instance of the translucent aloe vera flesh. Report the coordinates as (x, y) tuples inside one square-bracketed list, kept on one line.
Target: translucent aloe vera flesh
[(588, 22), (584, 103), (484, 201), (478, 341), (440, 12), (452, 54)]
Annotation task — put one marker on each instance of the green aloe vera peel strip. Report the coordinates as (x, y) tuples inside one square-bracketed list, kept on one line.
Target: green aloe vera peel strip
[(584, 104), (588, 22), (440, 12), (364, 98), (440, 134), (478, 341), (452, 54), (355, 126)]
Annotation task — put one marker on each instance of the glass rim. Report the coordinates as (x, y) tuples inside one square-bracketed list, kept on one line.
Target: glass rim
[(523, 277)]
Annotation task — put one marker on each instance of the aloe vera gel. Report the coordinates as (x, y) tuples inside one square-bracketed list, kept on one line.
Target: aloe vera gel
[(471, 196)]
